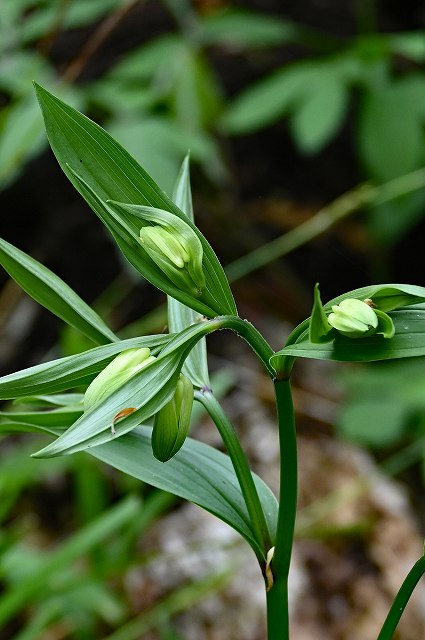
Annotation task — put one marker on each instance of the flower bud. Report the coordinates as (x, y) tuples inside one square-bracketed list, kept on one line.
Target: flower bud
[(353, 318), (115, 374), (172, 422), (178, 252)]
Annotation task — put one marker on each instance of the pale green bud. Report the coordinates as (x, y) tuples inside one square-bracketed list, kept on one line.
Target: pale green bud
[(178, 252), (353, 318), (162, 241), (115, 374), (171, 424)]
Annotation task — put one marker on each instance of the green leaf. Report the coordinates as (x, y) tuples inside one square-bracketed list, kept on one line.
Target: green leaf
[(146, 392), (390, 130), (195, 93), (320, 113), (238, 29), (408, 340), (21, 137), (375, 422), (59, 399), (51, 292), (50, 568), (37, 24), (180, 316), (215, 298), (384, 403), (264, 102), (389, 221), (319, 325), (198, 473), (69, 372), (150, 61), (314, 93), (56, 418), (80, 144), (410, 45), (101, 170)]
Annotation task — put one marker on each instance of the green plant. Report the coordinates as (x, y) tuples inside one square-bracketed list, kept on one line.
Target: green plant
[(135, 415), (315, 95)]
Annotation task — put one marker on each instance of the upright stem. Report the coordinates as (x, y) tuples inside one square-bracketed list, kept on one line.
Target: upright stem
[(242, 470), (277, 596)]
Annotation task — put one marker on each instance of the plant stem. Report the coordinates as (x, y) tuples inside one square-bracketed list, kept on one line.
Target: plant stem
[(242, 470), (252, 336), (277, 596), (401, 599)]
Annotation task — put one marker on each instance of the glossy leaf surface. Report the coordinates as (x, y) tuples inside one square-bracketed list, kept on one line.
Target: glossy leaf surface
[(146, 392), (198, 473), (101, 170), (72, 371), (397, 300)]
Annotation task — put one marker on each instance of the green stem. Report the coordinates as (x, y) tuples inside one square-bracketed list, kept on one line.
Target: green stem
[(277, 596), (252, 336), (401, 599), (242, 470)]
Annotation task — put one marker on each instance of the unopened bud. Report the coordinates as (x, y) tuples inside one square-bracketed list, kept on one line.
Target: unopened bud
[(353, 318), (115, 374), (171, 424), (178, 253)]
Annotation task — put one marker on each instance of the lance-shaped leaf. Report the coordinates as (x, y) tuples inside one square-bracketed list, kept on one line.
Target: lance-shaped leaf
[(101, 170), (72, 371), (51, 292), (179, 315), (198, 473), (319, 327), (56, 418), (400, 302), (145, 394)]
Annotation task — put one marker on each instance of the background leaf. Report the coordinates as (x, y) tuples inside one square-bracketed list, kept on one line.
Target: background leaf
[(321, 112), (239, 28), (390, 134)]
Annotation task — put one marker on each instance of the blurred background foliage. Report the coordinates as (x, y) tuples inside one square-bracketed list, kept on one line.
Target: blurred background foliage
[(285, 107)]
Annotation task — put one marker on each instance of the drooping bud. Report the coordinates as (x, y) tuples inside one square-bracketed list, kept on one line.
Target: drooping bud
[(172, 422), (353, 318), (115, 374), (177, 251)]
